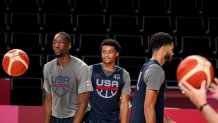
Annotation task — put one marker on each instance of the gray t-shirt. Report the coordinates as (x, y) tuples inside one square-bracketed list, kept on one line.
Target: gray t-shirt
[(126, 78), (65, 84), (154, 77)]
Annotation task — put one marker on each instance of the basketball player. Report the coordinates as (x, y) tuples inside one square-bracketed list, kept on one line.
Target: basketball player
[(148, 102), (67, 84), (111, 83), (199, 99)]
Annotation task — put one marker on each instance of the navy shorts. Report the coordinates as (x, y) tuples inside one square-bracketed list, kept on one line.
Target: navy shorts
[(69, 119)]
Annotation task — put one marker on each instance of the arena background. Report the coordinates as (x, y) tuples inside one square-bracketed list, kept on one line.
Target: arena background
[(31, 24)]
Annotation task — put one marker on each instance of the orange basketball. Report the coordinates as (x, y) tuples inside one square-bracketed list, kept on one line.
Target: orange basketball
[(194, 69), (15, 62)]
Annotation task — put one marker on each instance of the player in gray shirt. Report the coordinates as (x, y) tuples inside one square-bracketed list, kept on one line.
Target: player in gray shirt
[(67, 84), (154, 81)]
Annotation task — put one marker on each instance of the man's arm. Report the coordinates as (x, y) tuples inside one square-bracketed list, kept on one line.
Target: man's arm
[(48, 107), (210, 114), (149, 106), (83, 100), (124, 107)]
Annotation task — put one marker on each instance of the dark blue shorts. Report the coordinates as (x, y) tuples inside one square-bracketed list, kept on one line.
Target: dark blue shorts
[(69, 119)]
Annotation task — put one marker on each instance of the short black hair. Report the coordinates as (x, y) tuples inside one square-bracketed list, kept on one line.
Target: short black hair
[(159, 39), (111, 42), (66, 35)]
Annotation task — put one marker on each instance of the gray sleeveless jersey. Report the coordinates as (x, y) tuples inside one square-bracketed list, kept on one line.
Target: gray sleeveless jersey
[(65, 84)]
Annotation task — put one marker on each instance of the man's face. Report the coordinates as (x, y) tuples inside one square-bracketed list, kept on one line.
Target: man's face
[(60, 45), (108, 54), (168, 55)]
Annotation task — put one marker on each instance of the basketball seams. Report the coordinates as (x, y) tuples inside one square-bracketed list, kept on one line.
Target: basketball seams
[(203, 65), (11, 61), (15, 62), (22, 61)]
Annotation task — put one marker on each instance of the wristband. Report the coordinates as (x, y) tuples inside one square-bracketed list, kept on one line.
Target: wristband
[(202, 106)]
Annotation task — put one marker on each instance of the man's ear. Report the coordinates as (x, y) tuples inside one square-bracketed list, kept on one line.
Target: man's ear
[(117, 54), (70, 46), (163, 48)]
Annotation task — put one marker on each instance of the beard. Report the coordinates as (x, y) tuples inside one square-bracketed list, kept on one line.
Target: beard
[(58, 55), (167, 57)]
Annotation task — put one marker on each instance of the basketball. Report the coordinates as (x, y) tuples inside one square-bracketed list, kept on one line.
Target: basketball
[(15, 62), (194, 69)]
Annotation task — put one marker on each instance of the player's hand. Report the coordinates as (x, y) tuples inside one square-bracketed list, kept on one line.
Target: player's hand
[(214, 88), (197, 96)]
